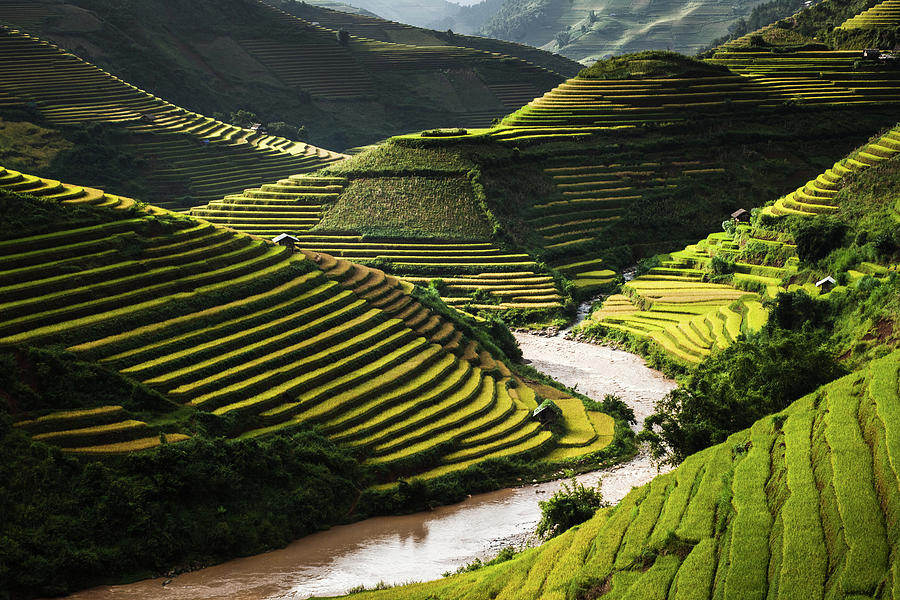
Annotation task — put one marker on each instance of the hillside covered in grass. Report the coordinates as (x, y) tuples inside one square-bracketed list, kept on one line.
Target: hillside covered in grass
[(221, 57), (803, 504), (628, 159), (64, 117), (587, 30), (210, 351), (400, 32), (843, 224)]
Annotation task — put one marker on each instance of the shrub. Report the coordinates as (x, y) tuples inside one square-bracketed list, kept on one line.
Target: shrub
[(817, 237), (568, 507), (615, 407), (732, 389), (721, 266)]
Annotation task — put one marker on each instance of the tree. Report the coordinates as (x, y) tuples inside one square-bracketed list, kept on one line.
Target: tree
[(243, 118), (733, 388), (568, 507), (818, 236)]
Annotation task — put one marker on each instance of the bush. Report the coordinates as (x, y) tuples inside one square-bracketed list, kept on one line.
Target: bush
[(615, 407), (568, 507), (721, 266), (817, 237), (732, 389)]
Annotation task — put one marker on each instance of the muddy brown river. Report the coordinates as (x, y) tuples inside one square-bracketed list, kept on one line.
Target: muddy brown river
[(422, 546)]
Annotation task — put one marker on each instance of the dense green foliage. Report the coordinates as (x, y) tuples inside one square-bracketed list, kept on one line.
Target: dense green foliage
[(569, 506), (650, 64), (733, 388), (25, 215), (36, 381), (71, 522), (817, 237)]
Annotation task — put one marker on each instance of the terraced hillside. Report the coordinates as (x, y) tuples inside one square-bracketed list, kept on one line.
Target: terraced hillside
[(422, 223), (766, 81), (245, 54), (375, 28), (801, 505), (681, 308), (186, 154), (885, 14), (587, 30), (261, 337)]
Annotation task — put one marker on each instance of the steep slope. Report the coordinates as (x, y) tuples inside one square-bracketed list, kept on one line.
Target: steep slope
[(702, 298), (392, 31), (176, 152), (415, 12), (802, 505), (340, 6), (588, 30), (413, 211), (627, 159), (243, 54), (260, 338)]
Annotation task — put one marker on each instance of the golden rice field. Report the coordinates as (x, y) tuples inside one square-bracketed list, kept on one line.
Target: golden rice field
[(797, 506), (234, 325), (202, 157)]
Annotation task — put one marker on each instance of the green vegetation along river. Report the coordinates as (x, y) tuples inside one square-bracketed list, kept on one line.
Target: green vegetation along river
[(422, 546)]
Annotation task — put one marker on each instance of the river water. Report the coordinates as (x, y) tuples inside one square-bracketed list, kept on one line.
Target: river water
[(422, 546)]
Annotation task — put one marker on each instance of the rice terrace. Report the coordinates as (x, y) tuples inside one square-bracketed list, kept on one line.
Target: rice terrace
[(299, 301)]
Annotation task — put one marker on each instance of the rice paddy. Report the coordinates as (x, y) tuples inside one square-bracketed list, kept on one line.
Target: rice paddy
[(205, 157), (752, 517), (233, 325)]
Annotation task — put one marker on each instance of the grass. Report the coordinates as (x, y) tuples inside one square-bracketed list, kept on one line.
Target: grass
[(424, 207), (761, 515), (747, 575), (804, 555), (642, 525), (698, 523), (695, 575), (867, 553)]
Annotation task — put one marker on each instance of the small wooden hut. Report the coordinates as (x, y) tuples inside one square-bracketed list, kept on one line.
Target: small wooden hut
[(826, 285), (286, 240), (740, 216)]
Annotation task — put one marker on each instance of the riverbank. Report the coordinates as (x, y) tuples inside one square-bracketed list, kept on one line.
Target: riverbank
[(424, 545)]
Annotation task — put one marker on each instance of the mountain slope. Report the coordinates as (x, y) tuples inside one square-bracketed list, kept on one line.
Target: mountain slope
[(802, 505), (702, 298), (587, 30), (177, 153), (244, 54), (392, 31), (261, 339)]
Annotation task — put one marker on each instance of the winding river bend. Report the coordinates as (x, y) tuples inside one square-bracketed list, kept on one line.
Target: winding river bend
[(422, 546)]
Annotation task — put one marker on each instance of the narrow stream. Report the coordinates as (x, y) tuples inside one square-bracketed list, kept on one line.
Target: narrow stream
[(422, 546)]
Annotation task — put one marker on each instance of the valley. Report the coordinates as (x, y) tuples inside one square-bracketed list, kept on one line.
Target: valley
[(424, 545), (260, 264)]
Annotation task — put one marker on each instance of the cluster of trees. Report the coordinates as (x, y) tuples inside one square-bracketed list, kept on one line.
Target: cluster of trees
[(516, 18), (568, 507), (69, 522), (754, 377), (246, 118)]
